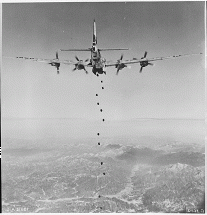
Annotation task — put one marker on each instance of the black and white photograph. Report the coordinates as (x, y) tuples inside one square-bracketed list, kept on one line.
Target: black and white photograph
[(103, 107)]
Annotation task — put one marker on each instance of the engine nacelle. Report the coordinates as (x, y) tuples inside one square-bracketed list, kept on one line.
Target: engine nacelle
[(55, 64), (80, 66), (120, 66), (144, 63)]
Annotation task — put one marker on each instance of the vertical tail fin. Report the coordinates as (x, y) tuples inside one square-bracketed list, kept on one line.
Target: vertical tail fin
[(94, 33)]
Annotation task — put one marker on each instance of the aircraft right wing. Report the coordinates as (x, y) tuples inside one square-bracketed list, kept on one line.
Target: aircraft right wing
[(120, 64), (135, 60)]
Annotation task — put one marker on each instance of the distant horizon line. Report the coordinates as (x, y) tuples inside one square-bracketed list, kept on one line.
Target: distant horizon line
[(152, 118)]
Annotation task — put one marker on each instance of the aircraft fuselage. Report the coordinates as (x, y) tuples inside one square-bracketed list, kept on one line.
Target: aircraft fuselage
[(97, 62)]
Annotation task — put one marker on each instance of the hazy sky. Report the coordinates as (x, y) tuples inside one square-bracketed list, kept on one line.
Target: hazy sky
[(171, 88)]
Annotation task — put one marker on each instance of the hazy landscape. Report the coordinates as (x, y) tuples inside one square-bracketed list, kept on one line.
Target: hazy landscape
[(141, 165)]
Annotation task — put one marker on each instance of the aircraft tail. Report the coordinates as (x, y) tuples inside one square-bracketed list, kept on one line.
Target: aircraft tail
[(94, 33), (88, 49), (113, 49), (94, 43)]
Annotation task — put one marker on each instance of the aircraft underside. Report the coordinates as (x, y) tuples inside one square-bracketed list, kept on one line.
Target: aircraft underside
[(98, 71)]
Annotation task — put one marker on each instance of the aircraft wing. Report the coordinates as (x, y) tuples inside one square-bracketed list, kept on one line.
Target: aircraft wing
[(41, 60), (110, 63), (135, 60)]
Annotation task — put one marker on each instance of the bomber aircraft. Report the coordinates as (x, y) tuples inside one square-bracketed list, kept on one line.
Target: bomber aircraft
[(97, 62)]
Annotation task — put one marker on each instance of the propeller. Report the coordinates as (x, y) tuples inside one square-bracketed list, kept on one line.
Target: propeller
[(77, 58), (57, 64), (58, 71), (144, 63), (57, 55), (79, 65), (121, 57), (119, 65)]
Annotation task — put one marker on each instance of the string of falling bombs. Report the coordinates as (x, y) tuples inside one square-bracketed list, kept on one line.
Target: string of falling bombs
[(101, 110)]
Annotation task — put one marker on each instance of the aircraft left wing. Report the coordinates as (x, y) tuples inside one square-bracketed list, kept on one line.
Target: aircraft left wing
[(53, 62), (42, 60)]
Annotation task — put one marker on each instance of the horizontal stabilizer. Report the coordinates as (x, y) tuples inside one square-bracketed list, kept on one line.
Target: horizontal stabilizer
[(112, 49), (75, 49)]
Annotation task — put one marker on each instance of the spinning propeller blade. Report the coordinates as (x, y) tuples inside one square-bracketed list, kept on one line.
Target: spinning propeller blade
[(80, 65), (117, 72), (76, 58), (119, 65), (121, 57), (57, 55)]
